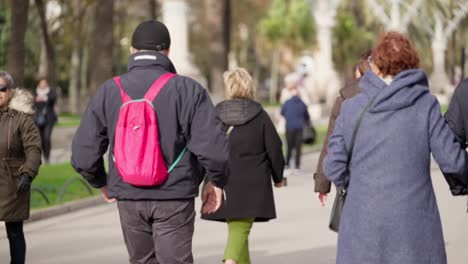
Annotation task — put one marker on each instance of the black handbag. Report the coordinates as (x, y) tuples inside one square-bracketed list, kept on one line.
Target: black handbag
[(309, 134), (41, 118), (340, 197)]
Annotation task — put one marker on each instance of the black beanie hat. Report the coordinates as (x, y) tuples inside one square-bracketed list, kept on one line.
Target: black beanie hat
[(151, 35)]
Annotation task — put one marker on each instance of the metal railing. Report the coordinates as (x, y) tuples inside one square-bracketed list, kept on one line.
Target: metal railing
[(63, 190)]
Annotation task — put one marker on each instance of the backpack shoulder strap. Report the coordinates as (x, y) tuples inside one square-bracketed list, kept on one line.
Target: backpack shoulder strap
[(157, 86), (123, 94)]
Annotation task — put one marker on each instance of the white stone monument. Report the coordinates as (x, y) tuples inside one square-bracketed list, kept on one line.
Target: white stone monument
[(323, 82), (175, 17)]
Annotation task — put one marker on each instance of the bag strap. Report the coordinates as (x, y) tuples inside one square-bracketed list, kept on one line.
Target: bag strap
[(229, 130), (179, 158), (356, 129), (157, 86), (123, 94)]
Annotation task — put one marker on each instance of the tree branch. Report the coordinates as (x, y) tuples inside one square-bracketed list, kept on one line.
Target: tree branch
[(459, 14), (412, 10), (379, 12)]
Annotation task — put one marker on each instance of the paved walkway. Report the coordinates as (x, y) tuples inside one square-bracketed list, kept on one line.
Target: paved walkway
[(299, 235)]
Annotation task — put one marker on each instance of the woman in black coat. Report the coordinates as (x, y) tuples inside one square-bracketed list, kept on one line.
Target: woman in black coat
[(256, 158), (45, 118)]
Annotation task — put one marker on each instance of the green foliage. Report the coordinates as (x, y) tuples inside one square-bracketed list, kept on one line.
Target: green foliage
[(68, 120), (273, 26), (51, 178), (288, 22), (349, 42), (4, 37)]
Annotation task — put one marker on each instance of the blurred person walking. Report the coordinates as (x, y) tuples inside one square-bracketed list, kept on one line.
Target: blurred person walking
[(20, 152), (297, 116), (256, 158), (322, 184), (45, 116), (391, 213)]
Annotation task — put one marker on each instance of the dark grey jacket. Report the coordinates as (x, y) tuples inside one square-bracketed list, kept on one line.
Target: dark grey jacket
[(457, 118), (457, 113), (186, 118)]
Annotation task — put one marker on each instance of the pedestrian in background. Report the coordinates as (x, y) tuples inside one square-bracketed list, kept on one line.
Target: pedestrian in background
[(322, 184), (20, 152), (297, 116), (157, 219), (391, 214), (45, 116), (256, 158)]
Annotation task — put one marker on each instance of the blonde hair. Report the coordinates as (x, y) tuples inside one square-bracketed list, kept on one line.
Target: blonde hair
[(239, 84)]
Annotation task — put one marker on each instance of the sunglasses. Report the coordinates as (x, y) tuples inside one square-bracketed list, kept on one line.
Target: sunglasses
[(4, 88)]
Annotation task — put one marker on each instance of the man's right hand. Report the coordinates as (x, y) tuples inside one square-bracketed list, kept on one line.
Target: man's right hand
[(105, 195), (212, 197)]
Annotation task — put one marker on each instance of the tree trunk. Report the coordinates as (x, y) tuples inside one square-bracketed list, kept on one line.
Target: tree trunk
[(218, 47), (42, 71), (16, 50), (439, 80), (73, 88), (78, 45), (84, 75), (51, 74), (153, 7), (102, 44), (274, 75), (325, 81)]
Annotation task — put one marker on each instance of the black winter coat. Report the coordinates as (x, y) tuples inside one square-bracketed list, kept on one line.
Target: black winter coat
[(256, 158), (457, 118), (186, 118), (457, 114), (48, 107)]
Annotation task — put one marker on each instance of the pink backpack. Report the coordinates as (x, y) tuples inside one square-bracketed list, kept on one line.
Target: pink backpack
[(137, 152)]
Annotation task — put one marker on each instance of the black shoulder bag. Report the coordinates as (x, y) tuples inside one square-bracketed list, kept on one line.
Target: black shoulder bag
[(340, 197)]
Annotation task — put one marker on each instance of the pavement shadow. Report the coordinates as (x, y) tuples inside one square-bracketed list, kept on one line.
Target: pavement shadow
[(324, 255)]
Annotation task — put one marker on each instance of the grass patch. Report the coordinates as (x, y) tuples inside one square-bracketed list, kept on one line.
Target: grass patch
[(68, 120), (268, 104), (443, 108), (321, 134), (50, 179)]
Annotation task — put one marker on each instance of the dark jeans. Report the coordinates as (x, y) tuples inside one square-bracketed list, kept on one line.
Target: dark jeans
[(17, 243), (294, 142), (46, 133), (158, 232)]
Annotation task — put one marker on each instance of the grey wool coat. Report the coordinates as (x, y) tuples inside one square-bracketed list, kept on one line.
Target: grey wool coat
[(391, 214)]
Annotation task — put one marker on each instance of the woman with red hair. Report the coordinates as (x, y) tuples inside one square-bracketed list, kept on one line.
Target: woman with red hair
[(394, 124)]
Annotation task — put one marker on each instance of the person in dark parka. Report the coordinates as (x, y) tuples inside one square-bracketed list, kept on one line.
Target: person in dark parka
[(391, 215), (20, 158), (256, 158)]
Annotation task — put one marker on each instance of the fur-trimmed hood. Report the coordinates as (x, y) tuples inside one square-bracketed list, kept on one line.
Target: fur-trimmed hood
[(22, 101)]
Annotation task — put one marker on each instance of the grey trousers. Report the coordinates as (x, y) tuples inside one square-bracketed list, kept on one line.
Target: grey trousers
[(158, 232)]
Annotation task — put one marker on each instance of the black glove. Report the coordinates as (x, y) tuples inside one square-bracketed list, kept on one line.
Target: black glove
[(23, 183)]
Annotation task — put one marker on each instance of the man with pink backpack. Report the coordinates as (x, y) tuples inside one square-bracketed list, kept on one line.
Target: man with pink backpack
[(164, 138)]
